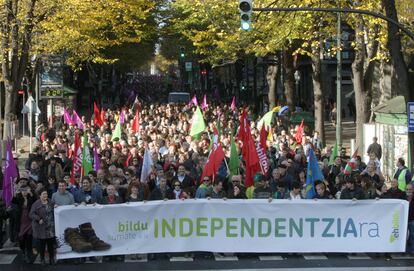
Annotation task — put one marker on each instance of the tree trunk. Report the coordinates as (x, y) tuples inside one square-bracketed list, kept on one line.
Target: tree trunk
[(362, 92), (319, 101), (289, 79), (8, 109), (395, 48), (272, 71), (15, 53)]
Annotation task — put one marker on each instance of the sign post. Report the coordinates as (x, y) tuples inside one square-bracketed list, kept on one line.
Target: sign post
[(21, 92), (30, 108)]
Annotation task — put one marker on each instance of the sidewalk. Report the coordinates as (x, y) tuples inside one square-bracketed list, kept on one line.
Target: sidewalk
[(348, 133)]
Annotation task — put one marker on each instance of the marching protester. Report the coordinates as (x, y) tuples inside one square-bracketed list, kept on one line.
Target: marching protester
[(43, 225)]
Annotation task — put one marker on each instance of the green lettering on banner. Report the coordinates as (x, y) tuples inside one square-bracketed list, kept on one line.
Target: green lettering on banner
[(216, 224), (312, 225), (121, 227), (189, 222), (245, 227), (298, 228), (279, 227), (155, 228), (200, 226), (261, 223), (167, 227), (230, 227)]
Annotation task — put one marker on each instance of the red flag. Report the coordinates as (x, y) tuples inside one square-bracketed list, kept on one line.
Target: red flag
[(135, 123), (243, 123), (126, 164), (249, 152), (77, 160), (102, 115), (299, 133), (215, 158), (262, 151), (263, 137), (97, 120), (351, 165)]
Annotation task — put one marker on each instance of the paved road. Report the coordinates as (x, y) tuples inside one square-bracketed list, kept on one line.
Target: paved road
[(11, 260)]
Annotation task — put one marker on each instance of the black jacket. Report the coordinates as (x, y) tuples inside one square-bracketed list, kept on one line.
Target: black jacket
[(157, 194), (356, 193)]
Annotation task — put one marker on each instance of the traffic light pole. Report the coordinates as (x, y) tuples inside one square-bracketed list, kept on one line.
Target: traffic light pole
[(339, 82)]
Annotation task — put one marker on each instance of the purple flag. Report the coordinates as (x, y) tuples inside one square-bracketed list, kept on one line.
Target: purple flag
[(233, 104), (77, 120), (10, 173), (66, 117), (204, 104), (193, 101), (122, 117), (97, 162)]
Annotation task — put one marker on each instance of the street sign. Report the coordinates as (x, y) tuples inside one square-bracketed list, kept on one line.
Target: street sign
[(188, 66), (30, 107), (51, 73), (410, 112)]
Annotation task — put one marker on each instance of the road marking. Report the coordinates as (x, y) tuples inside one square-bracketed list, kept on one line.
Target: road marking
[(7, 258), (181, 259), (271, 258), (314, 257), (139, 258), (359, 256), (402, 257), (222, 258)]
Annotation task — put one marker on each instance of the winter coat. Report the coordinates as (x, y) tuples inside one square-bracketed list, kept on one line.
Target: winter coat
[(58, 171), (43, 212)]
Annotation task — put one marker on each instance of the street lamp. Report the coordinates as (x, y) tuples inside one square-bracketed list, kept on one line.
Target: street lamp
[(297, 80)]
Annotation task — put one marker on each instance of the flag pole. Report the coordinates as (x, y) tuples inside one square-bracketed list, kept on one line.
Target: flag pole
[(227, 165)]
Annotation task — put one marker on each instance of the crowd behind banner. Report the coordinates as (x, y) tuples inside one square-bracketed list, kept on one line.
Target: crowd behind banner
[(168, 151)]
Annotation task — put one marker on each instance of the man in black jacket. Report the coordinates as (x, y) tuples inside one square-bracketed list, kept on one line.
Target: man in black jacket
[(163, 192), (394, 192), (352, 191)]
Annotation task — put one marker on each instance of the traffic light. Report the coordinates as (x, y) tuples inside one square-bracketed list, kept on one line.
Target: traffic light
[(243, 87), (182, 53), (246, 9)]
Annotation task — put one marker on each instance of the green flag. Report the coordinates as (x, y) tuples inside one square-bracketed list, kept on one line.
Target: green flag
[(234, 163), (86, 156), (219, 127), (266, 120), (117, 132), (197, 125), (333, 154)]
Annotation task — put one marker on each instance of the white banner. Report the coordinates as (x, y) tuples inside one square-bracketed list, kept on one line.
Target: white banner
[(238, 226)]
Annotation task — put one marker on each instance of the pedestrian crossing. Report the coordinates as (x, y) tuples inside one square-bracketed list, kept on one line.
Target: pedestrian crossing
[(12, 257)]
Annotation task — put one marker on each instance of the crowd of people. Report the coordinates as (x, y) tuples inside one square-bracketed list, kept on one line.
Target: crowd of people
[(178, 162)]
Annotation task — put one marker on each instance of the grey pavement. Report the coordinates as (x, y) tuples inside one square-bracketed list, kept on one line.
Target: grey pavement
[(285, 261)]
